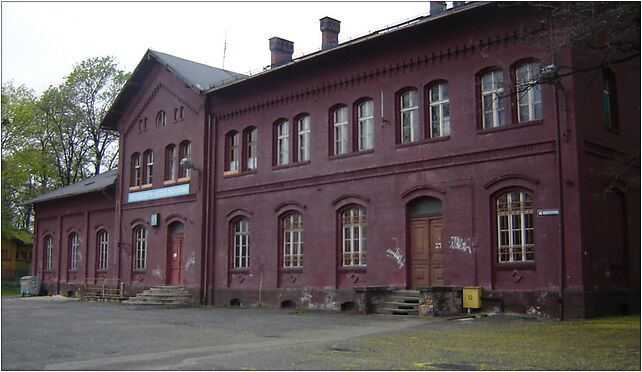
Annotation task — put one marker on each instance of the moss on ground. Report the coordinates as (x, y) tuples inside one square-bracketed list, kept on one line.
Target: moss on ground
[(499, 343)]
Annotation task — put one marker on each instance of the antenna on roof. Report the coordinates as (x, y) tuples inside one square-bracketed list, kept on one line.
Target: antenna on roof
[(224, 49)]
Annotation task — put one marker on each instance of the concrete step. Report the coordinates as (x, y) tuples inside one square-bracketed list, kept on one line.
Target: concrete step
[(162, 296), (401, 305), (387, 310)]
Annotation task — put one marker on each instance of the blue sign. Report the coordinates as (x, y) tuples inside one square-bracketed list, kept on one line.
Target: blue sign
[(165, 192)]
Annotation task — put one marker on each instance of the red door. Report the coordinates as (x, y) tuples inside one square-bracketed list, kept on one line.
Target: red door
[(426, 258), (174, 262)]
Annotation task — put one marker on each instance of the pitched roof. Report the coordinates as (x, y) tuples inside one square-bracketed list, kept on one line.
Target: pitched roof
[(196, 75), (92, 184), (375, 35)]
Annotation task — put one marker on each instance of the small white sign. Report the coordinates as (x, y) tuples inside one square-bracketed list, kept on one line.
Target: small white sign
[(548, 212)]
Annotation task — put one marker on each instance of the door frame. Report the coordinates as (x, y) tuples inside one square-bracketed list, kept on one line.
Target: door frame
[(409, 220)]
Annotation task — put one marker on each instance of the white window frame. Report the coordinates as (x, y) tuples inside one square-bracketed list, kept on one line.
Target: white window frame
[(241, 243), (365, 120), (103, 250), (409, 116), (172, 166), (184, 152), (293, 240), (340, 128), (353, 237), (140, 248), (234, 151), (529, 92), (515, 231), (303, 130), (74, 251), (252, 156), (283, 143), (149, 166), (493, 99), (49, 248), (136, 163), (439, 110)]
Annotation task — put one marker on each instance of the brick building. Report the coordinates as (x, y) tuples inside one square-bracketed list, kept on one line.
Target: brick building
[(438, 153)]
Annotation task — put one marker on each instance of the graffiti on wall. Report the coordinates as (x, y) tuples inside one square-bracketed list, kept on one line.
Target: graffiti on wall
[(461, 244), (396, 254)]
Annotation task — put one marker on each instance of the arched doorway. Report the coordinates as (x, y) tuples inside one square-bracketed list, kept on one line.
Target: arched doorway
[(175, 239), (425, 251)]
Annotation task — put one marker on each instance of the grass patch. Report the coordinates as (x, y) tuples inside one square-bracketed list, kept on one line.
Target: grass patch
[(10, 288)]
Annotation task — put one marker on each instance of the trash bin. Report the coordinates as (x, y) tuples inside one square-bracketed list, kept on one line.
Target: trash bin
[(29, 286)]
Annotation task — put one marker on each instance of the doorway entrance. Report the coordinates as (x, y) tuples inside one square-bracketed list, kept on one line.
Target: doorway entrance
[(425, 254), (176, 237)]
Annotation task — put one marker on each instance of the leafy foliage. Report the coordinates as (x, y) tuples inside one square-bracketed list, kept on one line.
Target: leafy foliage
[(55, 140)]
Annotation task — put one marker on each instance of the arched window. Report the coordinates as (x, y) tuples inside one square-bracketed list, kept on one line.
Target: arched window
[(609, 99), (102, 250), (353, 237), (340, 130), (185, 152), (136, 173), (303, 138), (232, 152), (171, 162), (49, 251), (409, 116), (161, 119), (74, 251), (529, 92), (241, 243), (365, 117), (149, 167), (282, 142), (292, 245), (439, 107), (515, 240), (493, 103), (140, 248), (251, 150)]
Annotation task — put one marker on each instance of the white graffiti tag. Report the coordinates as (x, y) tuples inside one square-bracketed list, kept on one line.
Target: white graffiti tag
[(397, 256), (460, 244)]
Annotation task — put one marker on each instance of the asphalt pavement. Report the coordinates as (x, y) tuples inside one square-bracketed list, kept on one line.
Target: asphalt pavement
[(56, 333)]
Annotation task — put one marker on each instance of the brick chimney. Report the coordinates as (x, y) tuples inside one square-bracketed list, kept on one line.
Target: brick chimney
[(281, 51), (330, 28), (437, 7)]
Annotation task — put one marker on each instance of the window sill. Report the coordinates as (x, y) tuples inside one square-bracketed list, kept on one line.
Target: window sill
[(291, 165), (134, 188), (240, 270), (146, 186), (503, 266), (360, 269), (291, 270), (423, 141), (169, 182), (231, 174), (183, 179), (509, 126), (614, 130), (350, 154)]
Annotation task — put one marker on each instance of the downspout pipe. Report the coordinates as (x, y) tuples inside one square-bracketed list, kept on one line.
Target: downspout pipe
[(205, 178)]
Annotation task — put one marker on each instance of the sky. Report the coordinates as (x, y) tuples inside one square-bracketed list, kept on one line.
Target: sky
[(42, 41)]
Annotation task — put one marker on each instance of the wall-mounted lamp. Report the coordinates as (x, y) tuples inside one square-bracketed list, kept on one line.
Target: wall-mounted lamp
[(187, 163)]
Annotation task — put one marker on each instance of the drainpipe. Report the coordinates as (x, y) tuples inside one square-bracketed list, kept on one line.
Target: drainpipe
[(557, 84)]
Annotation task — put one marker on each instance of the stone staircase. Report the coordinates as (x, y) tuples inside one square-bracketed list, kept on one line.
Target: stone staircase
[(402, 302), (166, 295)]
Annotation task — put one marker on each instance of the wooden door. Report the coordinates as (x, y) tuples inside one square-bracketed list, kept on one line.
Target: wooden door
[(426, 258), (174, 262)]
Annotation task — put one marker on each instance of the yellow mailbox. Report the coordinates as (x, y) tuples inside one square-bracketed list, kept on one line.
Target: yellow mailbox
[(472, 297)]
